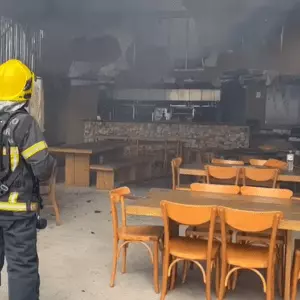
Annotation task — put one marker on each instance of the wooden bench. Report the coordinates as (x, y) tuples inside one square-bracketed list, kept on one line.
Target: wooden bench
[(127, 170)]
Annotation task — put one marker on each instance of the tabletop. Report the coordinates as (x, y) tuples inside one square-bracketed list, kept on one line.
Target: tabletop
[(150, 205), (89, 148), (253, 152)]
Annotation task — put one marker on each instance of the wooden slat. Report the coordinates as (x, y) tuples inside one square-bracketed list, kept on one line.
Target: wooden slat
[(69, 150), (101, 168), (88, 148), (105, 180), (82, 170), (127, 162), (70, 170)]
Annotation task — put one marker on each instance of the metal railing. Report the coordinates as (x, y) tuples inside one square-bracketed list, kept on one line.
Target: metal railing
[(20, 42)]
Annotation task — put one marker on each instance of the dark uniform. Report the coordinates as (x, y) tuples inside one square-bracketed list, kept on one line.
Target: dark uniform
[(25, 154), (18, 233)]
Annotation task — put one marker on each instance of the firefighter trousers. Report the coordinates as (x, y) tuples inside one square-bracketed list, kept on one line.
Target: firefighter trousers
[(18, 239)]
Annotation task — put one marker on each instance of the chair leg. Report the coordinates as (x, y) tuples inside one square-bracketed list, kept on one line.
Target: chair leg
[(114, 263), (185, 270), (208, 281), (222, 289), (55, 206), (124, 262), (273, 284), (155, 267), (233, 281), (280, 271), (295, 278), (217, 275), (270, 283), (173, 275), (164, 288)]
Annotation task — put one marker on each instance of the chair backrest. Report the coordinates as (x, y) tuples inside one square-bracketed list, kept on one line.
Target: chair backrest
[(190, 215), (218, 161), (215, 188), (257, 162), (275, 163), (260, 175), (266, 192), (251, 222), (222, 173), (117, 197), (175, 165)]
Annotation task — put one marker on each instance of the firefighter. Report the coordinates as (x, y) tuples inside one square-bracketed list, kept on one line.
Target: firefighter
[(24, 161)]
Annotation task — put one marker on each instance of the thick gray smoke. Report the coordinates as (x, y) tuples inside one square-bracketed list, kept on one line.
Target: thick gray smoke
[(214, 26), (215, 21)]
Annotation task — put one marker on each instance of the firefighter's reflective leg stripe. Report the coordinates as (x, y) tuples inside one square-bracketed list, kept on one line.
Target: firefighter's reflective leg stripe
[(34, 149)]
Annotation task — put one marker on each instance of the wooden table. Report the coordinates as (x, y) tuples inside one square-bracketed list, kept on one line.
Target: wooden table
[(77, 159), (199, 170), (150, 206), (248, 153)]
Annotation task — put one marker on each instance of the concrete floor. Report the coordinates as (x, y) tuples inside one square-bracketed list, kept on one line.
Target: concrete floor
[(75, 258)]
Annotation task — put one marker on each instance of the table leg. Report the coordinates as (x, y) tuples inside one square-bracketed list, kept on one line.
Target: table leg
[(198, 157), (288, 264), (70, 170), (82, 170)]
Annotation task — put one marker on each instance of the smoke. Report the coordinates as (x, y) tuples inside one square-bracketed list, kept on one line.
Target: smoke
[(215, 25)]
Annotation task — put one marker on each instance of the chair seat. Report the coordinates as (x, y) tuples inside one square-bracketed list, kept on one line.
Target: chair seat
[(141, 233), (247, 256), (194, 249)]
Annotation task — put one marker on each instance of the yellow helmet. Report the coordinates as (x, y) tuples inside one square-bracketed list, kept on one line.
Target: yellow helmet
[(16, 81)]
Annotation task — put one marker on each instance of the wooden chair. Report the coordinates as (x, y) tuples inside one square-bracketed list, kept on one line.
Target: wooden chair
[(296, 271), (220, 174), (255, 176), (277, 164), (48, 190), (215, 188), (175, 165), (132, 234), (244, 256), (218, 161), (185, 248), (263, 238), (266, 192), (257, 162), (202, 231)]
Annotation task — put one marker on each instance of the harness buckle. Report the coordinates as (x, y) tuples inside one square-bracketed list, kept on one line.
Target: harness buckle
[(4, 188)]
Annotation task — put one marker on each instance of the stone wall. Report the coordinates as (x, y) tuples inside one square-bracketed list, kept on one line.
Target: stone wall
[(194, 135)]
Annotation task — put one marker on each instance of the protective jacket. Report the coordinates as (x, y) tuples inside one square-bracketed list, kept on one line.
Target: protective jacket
[(25, 162)]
